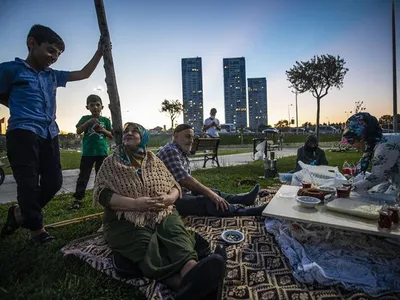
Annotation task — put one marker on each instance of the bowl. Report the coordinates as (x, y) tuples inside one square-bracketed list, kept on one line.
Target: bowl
[(232, 236), (285, 177), (306, 201)]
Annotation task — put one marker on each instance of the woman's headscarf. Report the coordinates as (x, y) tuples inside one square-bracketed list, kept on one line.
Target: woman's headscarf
[(140, 151), (363, 127), (144, 134), (311, 143)]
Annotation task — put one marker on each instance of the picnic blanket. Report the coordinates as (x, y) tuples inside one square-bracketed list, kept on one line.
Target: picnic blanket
[(256, 268), (319, 254)]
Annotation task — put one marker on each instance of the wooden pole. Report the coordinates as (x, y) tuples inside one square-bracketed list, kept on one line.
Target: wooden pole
[(395, 119), (111, 80), (73, 221)]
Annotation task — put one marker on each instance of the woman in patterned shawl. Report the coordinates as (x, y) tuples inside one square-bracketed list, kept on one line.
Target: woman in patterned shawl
[(141, 224), (382, 152)]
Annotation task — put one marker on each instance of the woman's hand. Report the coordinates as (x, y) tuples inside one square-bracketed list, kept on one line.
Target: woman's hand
[(170, 198), (148, 204)]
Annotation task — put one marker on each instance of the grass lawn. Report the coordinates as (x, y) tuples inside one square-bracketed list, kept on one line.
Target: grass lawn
[(71, 159), (29, 272)]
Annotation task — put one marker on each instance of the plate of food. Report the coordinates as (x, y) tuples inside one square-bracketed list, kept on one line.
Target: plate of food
[(327, 189), (307, 201), (355, 207), (232, 236)]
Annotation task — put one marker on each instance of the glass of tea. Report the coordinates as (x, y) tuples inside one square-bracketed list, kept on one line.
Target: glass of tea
[(385, 221), (343, 192), (306, 184)]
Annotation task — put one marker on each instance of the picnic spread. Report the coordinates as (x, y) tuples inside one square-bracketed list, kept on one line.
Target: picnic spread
[(258, 268)]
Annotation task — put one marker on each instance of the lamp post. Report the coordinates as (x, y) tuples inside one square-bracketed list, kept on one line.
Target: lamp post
[(395, 120), (288, 109), (297, 112)]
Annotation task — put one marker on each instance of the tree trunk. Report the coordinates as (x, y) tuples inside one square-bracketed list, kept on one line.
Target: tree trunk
[(172, 123), (318, 113), (111, 80)]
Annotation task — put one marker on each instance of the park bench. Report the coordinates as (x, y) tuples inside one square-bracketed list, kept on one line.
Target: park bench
[(206, 147)]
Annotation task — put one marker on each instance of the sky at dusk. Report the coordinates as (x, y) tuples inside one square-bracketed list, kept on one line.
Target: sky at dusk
[(149, 39)]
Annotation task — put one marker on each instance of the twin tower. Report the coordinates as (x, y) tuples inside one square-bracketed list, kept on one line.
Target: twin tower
[(237, 108)]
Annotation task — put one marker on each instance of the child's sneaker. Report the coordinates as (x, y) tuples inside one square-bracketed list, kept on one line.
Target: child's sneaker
[(76, 205)]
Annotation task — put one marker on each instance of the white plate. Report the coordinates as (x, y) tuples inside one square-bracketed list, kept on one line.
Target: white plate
[(307, 201), (226, 233)]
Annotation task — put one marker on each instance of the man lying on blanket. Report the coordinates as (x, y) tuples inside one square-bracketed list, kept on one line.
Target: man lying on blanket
[(140, 222), (198, 199)]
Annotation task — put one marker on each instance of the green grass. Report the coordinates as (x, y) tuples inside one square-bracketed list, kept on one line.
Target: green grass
[(71, 159), (29, 272)]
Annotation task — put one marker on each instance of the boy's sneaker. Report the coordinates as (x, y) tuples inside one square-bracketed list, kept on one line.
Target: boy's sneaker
[(76, 205), (11, 223), (42, 239)]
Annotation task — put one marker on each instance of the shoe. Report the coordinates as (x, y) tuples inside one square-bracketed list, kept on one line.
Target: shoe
[(202, 279), (11, 223), (75, 205), (42, 239)]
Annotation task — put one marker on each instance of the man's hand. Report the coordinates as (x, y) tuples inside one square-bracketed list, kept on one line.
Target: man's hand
[(220, 203)]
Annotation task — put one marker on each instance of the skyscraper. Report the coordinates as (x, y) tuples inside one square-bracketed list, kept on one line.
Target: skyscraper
[(192, 92), (235, 91), (257, 95)]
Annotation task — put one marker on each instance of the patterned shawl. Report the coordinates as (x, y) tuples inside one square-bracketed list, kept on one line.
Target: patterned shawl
[(152, 179)]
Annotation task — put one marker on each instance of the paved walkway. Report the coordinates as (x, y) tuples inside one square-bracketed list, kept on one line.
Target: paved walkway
[(8, 190)]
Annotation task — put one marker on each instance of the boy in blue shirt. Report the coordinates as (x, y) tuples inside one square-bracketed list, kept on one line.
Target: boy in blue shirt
[(28, 88), (96, 130)]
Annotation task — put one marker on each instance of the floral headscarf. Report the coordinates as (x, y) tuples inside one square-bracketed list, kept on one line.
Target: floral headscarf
[(144, 134), (363, 127)]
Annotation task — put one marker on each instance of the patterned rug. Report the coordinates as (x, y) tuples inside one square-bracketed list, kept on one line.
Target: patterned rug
[(256, 268)]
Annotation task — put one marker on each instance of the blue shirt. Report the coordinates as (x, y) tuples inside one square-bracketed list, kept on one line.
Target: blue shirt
[(32, 96)]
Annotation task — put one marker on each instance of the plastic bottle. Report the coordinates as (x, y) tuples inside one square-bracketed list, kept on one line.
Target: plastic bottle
[(346, 168)]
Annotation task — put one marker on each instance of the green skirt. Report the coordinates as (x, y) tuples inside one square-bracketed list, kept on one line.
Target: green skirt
[(160, 252)]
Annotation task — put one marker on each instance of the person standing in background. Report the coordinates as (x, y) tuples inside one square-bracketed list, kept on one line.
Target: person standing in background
[(212, 125)]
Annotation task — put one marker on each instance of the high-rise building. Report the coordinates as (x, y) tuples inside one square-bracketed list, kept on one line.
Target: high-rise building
[(257, 95), (235, 91), (192, 92)]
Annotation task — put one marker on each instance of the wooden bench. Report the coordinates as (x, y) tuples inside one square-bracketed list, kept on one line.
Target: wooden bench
[(206, 147)]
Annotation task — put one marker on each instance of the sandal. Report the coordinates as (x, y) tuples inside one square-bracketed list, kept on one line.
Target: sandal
[(42, 239), (202, 279), (11, 223), (76, 205)]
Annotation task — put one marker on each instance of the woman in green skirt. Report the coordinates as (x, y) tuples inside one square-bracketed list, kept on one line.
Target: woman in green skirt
[(140, 221)]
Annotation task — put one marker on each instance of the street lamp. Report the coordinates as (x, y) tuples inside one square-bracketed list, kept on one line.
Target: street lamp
[(288, 109), (297, 112)]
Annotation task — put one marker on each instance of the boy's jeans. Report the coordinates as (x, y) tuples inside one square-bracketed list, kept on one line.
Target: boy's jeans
[(36, 167), (84, 173)]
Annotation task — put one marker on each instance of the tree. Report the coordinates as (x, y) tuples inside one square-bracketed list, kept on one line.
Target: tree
[(318, 76), (359, 106), (385, 120), (172, 108), (282, 124)]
